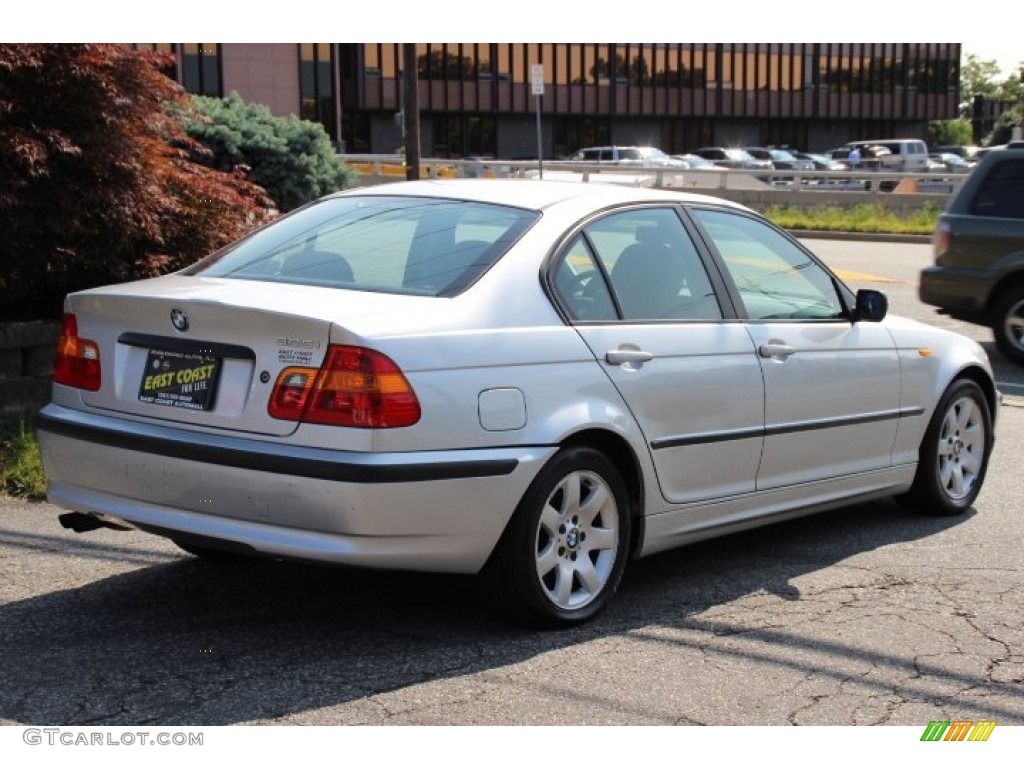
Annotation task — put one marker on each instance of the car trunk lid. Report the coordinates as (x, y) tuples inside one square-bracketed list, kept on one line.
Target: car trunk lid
[(208, 351)]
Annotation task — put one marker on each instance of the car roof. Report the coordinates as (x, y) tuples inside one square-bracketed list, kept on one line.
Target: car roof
[(534, 194)]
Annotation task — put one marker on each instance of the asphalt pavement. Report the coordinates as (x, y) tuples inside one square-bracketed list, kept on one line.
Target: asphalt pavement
[(865, 615)]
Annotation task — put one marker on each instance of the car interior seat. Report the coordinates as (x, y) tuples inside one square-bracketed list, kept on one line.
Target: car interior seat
[(648, 277)]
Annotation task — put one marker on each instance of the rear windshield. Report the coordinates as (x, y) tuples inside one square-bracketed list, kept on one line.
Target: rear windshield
[(413, 245)]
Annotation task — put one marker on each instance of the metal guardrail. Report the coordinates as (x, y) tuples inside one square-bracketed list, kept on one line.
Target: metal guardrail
[(392, 168)]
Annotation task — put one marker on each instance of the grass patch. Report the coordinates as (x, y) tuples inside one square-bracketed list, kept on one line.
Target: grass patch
[(864, 217), (21, 466)]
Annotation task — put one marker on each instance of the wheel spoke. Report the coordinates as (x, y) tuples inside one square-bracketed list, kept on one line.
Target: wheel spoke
[(945, 472), (965, 414), (948, 424), (550, 519), (599, 539), (971, 462), (957, 481), (588, 575), (593, 504), (571, 494), (563, 584), (547, 560), (973, 437)]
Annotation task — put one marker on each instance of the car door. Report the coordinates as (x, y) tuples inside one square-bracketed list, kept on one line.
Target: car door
[(832, 386), (638, 292)]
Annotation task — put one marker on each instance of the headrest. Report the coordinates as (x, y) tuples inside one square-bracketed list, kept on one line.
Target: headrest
[(649, 235)]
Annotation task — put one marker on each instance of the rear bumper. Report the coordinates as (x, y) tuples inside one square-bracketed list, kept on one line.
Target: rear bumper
[(434, 511), (962, 293)]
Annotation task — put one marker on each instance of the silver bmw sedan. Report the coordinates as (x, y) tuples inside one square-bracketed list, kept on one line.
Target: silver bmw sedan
[(531, 381)]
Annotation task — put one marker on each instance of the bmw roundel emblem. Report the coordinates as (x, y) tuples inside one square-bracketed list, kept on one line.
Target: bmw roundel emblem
[(179, 319)]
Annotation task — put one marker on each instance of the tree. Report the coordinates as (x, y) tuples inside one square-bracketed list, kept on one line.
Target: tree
[(97, 183), (984, 78), (1002, 132), (292, 159), (949, 132)]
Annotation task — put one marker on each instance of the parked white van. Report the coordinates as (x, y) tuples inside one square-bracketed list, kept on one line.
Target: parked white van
[(904, 154)]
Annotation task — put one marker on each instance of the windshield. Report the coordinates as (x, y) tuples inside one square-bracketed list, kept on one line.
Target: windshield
[(414, 245)]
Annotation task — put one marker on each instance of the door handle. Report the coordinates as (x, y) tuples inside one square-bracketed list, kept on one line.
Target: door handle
[(776, 350), (624, 356)]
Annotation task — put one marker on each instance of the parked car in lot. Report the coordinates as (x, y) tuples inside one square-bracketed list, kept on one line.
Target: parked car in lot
[(901, 154), (696, 162), (645, 157), (781, 159), (951, 163), (964, 152), (978, 273), (532, 381), (728, 157), (821, 162)]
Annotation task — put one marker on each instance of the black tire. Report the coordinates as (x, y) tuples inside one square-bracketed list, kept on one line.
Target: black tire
[(954, 453), (1007, 322), (563, 554)]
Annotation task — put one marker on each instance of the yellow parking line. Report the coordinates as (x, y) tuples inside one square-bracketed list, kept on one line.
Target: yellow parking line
[(863, 277)]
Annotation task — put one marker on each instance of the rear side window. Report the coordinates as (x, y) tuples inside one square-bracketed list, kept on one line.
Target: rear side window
[(651, 265), (391, 244), (1001, 193)]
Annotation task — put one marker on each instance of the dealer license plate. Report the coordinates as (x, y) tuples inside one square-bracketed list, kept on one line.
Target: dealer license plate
[(180, 379)]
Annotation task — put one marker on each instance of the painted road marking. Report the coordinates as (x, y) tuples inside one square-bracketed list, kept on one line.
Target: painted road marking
[(847, 275)]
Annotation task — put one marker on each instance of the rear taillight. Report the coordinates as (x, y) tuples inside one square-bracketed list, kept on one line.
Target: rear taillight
[(78, 360), (940, 240), (355, 387)]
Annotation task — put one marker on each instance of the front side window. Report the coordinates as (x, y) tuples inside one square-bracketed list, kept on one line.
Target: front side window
[(776, 279), (413, 245), (650, 263)]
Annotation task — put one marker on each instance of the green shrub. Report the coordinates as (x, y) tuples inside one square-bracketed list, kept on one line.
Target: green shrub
[(858, 218), (949, 132), (292, 159), (21, 466)]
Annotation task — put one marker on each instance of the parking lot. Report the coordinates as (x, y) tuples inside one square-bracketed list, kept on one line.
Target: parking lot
[(865, 615)]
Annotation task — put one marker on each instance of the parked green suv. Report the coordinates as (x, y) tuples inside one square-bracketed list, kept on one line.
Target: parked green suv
[(978, 274)]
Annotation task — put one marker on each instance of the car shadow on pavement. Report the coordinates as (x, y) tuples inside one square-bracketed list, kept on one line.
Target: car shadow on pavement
[(191, 642)]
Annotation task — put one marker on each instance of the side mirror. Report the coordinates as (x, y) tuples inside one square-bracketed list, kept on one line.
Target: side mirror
[(871, 307)]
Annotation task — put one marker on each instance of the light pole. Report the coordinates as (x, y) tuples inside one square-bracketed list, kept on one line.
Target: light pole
[(411, 111)]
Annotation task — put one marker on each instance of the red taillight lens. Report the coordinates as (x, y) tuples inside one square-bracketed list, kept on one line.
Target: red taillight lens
[(355, 387), (78, 360), (940, 240), (288, 399)]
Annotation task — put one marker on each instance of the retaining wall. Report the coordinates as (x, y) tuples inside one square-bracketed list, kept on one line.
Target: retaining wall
[(26, 364)]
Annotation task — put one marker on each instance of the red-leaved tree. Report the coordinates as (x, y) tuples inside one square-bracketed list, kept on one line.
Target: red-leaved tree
[(96, 184)]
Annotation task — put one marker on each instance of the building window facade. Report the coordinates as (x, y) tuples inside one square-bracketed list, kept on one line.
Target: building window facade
[(201, 68), (317, 86)]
